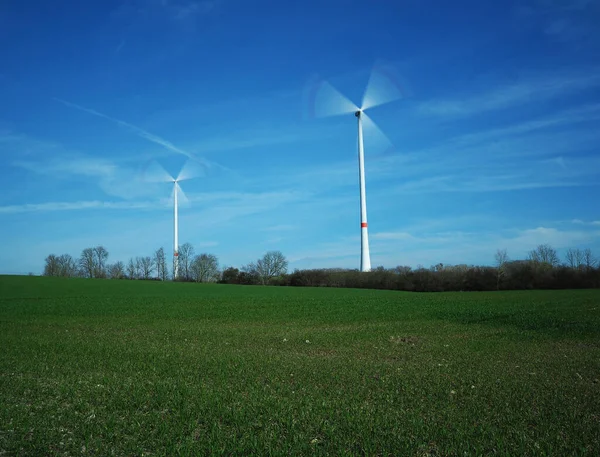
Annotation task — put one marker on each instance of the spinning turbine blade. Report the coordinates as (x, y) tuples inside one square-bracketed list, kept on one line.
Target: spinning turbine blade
[(181, 197), (383, 87), (325, 100), (190, 170), (154, 172), (374, 137)]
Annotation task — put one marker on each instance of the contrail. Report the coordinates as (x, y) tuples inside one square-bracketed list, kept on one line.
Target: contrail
[(137, 130)]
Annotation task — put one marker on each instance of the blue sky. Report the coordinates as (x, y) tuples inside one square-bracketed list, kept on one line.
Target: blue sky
[(495, 135)]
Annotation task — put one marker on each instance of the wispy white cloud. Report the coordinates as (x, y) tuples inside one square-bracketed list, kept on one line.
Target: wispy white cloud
[(527, 239), (243, 197), (114, 180), (202, 210), (279, 228), (76, 206), (551, 151), (15, 144), (212, 209), (566, 118), (207, 244), (543, 152), (253, 138), (273, 241), (185, 10), (484, 183), (119, 47), (239, 123), (175, 10), (223, 108), (500, 166), (581, 222), (571, 5), (553, 8), (68, 166), (392, 236), (141, 133), (340, 253), (529, 90), (402, 248), (567, 22), (465, 246)]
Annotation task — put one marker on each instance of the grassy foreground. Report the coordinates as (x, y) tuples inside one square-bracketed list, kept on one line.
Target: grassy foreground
[(97, 367)]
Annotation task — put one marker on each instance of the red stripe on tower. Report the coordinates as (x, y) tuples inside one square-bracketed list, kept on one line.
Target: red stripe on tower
[(363, 224), (176, 254)]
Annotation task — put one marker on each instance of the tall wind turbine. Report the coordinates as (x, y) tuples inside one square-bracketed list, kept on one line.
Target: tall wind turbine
[(325, 101), (190, 170)]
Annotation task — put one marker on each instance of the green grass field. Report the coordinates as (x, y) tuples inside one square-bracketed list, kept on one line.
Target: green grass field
[(98, 367)]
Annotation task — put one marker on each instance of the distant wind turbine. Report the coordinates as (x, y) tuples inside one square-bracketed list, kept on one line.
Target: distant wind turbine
[(156, 173)]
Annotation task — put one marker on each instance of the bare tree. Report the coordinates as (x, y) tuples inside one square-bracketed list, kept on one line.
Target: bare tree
[(438, 267), (131, 269), (402, 269), (205, 268), (138, 268), (230, 275), (501, 259), (161, 264), (116, 270), (186, 255), (100, 256), (52, 267), (589, 261), (250, 268), (67, 266), (272, 264), (146, 266), (544, 254), (87, 263), (574, 258), (249, 274)]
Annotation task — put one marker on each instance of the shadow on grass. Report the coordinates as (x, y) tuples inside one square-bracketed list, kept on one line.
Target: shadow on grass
[(552, 323)]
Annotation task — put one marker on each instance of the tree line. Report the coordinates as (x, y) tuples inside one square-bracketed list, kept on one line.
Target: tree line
[(541, 269), (204, 267)]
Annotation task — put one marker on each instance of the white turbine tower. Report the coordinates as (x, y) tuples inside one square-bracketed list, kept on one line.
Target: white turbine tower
[(365, 255), (382, 88), (175, 232)]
